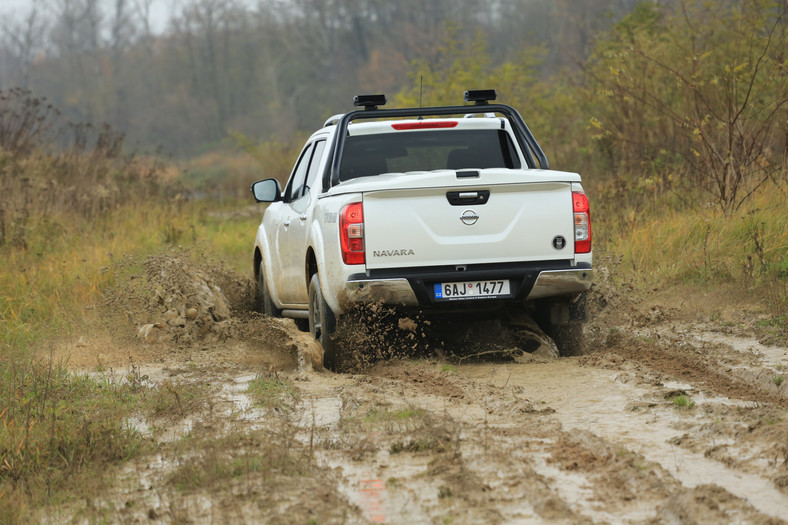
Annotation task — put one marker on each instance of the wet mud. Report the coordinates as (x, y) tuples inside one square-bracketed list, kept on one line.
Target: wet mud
[(667, 418)]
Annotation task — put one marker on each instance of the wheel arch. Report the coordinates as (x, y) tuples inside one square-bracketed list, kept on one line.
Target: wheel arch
[(258, 258), (310, 267)]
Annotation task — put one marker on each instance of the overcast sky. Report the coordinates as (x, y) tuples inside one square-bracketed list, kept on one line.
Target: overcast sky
[(160, 9)]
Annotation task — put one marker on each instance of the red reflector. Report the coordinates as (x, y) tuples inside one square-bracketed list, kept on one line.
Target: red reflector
[(425, 124)]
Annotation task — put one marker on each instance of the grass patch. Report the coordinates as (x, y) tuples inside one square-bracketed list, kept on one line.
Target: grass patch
[(773, 330), (175, 399), (682, 401), (703, 248), (210, 461), (378, 416), (273, 392), (415, 445), (777, 380), (58, 429), (448, 369)]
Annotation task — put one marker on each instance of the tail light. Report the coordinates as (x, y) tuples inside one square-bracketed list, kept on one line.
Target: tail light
[(582, 222), (351, 233)]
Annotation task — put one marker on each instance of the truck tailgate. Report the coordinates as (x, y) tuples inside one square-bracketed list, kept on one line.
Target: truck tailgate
[(516, 222)]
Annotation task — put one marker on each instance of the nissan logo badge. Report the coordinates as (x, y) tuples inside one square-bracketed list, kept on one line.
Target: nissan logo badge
[(559, 242), (469, 217)]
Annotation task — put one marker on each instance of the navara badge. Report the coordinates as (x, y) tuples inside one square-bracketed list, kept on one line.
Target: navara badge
[(469, 217)]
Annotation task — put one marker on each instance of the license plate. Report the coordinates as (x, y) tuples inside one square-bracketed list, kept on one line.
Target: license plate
[(471, 290)]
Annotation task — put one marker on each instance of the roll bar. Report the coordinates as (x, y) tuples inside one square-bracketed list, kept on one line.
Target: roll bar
[(534, 156)]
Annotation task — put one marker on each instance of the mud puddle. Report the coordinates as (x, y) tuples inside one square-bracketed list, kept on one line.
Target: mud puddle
[(601, 402), (491, 442), (377, 490), (749, 348), (515, 433), (772, 356)]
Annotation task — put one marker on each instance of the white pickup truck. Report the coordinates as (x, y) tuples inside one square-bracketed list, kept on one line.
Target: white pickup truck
[(440, 208)]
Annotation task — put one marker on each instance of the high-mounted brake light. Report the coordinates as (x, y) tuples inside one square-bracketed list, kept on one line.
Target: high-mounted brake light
[(351, 233), (425, 124), (582, 222)]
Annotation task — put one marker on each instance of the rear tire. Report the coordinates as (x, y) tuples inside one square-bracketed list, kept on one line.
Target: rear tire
[(563, 321), (301, 324), (568, 338), (262, 296), (322, 323)]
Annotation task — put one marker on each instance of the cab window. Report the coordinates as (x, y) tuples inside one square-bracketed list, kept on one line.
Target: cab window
[(312, 175), (295, 186)]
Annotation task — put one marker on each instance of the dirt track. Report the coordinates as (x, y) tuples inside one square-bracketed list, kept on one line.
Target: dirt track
[(670, 417)]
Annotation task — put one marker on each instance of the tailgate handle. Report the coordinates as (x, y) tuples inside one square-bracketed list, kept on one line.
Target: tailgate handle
[(464, 198)]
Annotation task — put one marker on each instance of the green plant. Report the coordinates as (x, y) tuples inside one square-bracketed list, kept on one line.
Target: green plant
[(770, 419), (682, 401), (273, 392), (777, 380), (376, 416), (58, 430), (413, 445)]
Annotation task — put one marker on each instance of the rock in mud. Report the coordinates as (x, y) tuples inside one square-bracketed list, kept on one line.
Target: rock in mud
[(176, 302)]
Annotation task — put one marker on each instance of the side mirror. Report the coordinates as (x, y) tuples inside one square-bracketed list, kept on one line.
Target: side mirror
[(268, 190)]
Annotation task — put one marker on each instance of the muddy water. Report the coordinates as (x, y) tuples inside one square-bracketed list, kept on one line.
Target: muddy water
[(368, 486), (771, 356), (511, 422), (574, 488), (599, 402)]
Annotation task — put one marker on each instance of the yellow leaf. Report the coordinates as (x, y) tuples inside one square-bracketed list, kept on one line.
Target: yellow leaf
[(740, 67)]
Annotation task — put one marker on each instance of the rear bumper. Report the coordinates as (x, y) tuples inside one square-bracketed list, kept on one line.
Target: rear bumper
[(414, 287), (561, 282)]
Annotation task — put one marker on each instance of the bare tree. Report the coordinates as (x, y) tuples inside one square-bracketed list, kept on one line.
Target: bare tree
[(24, 38), (713, 94)]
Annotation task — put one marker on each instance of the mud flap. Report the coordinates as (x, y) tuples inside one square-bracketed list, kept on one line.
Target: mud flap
[(572, 310)]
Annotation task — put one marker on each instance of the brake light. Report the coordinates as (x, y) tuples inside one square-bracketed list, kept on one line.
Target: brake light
[(351, 233), (582, 222), (425, 124)]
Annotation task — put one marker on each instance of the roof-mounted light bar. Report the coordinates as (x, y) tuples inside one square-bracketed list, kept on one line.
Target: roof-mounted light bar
[(369, 102), (480, 96)]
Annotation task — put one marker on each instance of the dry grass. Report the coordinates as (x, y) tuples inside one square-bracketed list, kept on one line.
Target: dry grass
[(748, 249), (55, 427)]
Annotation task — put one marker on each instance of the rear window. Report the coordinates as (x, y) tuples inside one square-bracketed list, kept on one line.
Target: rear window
[(367, 155)]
